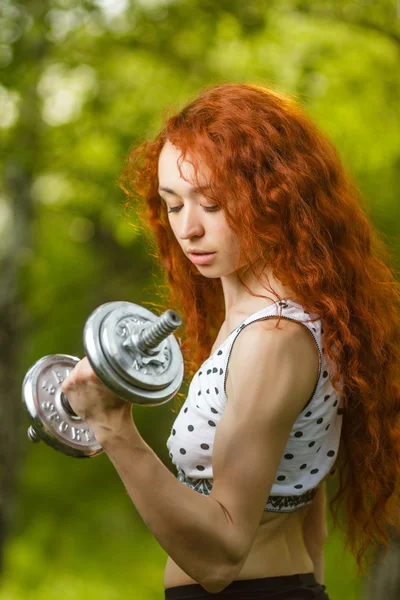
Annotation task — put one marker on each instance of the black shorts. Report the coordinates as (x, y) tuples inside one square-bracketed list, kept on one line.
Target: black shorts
[(302, 586)]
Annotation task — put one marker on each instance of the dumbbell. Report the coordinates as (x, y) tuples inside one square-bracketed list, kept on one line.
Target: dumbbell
[(131, 350)]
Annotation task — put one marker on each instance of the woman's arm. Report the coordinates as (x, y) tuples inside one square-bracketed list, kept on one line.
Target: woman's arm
[(192, 528), (315, 531)]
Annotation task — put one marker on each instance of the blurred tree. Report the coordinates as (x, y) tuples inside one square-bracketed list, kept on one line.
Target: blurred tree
[(383, 18), (16, 248), (81, 81), (384, 577)]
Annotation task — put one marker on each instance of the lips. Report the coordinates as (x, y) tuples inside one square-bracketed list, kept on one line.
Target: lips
[(201, 259)]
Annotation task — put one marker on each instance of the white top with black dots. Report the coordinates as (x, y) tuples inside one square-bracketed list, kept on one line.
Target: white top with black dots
[(313, 443)]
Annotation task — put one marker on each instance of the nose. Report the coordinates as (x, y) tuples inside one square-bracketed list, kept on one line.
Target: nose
[(190, 223)]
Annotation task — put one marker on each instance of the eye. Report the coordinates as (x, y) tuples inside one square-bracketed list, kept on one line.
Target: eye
[(211, 208), (206, 208)]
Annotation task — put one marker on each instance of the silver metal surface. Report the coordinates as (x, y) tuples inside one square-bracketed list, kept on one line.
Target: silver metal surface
[(33, 436), (155, 333), (131, 350), (51, 422), (111, 339)]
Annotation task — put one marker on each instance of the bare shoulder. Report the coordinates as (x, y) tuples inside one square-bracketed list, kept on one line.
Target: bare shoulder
[(272, 376), (261, 345), (264, 336)]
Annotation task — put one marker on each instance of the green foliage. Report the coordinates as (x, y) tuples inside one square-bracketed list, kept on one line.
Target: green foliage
[(81, 82)]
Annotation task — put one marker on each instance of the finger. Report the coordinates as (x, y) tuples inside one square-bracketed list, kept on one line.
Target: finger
[(69, 381)]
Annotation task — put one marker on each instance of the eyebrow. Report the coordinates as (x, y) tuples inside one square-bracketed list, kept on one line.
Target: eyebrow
[(193, 190)]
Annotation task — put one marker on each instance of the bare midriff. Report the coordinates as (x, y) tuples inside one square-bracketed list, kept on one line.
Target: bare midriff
[(278, 548)]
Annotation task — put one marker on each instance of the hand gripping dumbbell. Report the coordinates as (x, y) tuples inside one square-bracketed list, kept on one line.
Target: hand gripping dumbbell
[(130, 349)]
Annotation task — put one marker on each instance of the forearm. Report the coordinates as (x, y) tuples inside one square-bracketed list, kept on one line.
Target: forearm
[(191, 528)]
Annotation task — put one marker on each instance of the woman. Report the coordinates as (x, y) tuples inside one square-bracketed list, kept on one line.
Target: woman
[(244, 196)]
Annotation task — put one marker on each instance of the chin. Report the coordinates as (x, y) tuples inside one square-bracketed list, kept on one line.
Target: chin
[(209, 275)]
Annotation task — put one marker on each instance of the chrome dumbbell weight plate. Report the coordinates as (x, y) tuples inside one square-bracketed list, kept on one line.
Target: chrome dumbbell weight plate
[(53, 421), (115, 339)]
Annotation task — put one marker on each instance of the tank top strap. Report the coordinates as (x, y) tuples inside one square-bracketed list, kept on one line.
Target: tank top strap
[(286, 308), (277, 308)]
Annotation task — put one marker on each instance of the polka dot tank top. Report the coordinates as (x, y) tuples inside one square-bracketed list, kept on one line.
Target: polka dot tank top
[(313, 443)]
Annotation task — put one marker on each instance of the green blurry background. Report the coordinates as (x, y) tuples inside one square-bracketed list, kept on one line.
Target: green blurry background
[(81, 81)]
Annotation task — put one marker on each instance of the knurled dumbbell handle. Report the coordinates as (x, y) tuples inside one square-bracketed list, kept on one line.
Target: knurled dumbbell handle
[(162, 327), (150, 337), (141, 362)]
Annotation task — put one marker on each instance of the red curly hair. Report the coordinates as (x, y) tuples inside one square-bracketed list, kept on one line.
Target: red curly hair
[(287, 196)]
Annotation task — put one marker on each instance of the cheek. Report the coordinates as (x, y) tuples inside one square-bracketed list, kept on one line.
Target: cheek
[(225, 233), (232, 242), (229, 245)]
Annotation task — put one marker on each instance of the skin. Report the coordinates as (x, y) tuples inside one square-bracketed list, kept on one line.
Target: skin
[(196, 228), (197, 225)]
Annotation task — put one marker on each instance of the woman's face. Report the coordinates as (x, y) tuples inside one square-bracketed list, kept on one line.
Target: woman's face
[(198, 226)]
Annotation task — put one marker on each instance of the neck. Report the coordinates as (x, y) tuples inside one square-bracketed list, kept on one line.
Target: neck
[(237, 297)]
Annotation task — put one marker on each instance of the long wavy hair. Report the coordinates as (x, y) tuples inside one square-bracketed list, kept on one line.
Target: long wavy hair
[(290, 200)]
